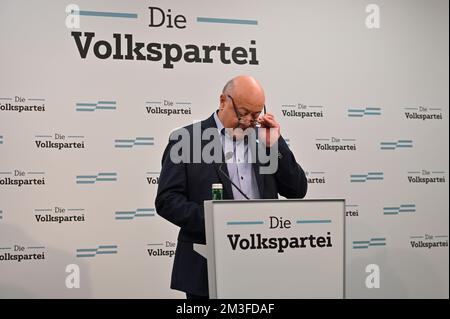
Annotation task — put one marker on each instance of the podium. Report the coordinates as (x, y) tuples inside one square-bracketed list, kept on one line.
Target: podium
[(261, 249)]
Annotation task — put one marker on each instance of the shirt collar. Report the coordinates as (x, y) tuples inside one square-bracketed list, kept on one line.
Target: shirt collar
[(219, 124)]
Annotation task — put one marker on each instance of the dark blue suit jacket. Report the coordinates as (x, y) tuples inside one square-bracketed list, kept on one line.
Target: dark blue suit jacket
[(182, 189)]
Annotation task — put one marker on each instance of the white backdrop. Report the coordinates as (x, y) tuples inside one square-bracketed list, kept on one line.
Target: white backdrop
[(379, 93)]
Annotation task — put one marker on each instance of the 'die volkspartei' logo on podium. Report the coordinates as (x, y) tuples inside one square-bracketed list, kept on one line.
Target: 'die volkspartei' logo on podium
[(124, 47), (280, 244)]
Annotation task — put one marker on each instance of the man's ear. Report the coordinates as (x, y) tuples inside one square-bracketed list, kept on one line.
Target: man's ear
[(222, 100)]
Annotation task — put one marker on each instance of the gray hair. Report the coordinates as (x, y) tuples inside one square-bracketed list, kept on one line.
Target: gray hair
[(228, 87)]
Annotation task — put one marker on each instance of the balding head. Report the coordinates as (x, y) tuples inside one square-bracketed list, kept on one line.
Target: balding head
[(246, 90), (248, 97)]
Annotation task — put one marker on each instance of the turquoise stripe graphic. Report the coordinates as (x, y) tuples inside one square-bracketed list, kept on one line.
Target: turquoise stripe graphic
[(129, 143), (365, 111), (110, 246), (183, 103), (360, 178), (140, 212), (101, 250), (92, 179), (105, 14), (370, 243), (324, 221), (395, 145), (106, 102), (404, 208), (256, 222), (91, 107), (226, 21)]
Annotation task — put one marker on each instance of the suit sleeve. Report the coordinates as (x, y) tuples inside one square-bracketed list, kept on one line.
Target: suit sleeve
[(172, 201), (290, 177)]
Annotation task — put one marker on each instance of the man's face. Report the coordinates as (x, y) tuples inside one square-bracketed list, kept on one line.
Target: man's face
[(242, 112)]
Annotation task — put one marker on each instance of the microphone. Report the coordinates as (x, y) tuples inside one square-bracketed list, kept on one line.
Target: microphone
[(228, 156)]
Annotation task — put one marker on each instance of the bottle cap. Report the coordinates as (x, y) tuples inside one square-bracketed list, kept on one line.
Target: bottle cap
[(217, 186)]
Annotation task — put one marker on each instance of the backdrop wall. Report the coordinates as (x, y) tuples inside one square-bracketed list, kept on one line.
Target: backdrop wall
[(90, 92)]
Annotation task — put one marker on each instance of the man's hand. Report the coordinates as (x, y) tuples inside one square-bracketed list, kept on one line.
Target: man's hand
[(269, 131)]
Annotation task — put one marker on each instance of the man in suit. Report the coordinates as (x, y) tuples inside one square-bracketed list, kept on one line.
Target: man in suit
[(186, 179)]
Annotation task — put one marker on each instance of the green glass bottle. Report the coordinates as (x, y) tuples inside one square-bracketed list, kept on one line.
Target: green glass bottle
[(217, 191)]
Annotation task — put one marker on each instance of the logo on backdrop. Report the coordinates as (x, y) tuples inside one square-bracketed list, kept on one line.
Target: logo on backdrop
[(125, 47), (423, 113), (351, 210), (153, 178), (279, 244), (426, 177), (59, 215), (429, 241), (19, 253), (166, 249), (336, 144), (22, 178), (22, 105), (315, 177), (59, 141), (168, 108), (302, 111)]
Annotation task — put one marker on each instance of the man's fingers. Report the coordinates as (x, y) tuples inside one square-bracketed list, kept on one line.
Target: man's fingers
[(269, 121)]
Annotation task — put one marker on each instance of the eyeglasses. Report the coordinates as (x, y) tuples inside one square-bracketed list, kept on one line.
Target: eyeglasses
[(242, 118)]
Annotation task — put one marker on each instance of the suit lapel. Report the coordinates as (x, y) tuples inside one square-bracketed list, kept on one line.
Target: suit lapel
[(228, 192), (259, 177)]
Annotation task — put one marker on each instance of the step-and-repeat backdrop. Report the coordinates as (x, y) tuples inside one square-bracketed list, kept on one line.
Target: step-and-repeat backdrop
[(89, 92)]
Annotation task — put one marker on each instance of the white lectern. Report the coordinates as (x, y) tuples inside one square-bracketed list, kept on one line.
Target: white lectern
[(275, 248)]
